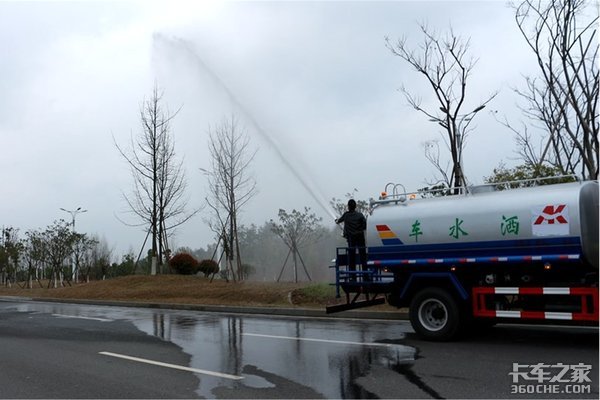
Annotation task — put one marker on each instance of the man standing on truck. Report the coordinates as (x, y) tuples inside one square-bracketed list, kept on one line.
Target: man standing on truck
[(355, 224)]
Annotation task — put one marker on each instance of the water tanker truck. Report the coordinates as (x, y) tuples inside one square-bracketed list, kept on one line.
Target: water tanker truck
[(485, 255)]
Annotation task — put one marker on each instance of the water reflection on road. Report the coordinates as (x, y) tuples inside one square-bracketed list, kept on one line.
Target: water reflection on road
[(278, 357), (306, 358)]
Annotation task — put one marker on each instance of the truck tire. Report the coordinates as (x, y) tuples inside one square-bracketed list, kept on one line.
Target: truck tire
[(435, 315)]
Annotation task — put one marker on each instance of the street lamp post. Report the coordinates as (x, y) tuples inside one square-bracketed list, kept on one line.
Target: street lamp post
[(460, 138), (73, 215)]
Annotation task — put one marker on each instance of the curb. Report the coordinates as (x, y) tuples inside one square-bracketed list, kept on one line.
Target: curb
[(278, 311)]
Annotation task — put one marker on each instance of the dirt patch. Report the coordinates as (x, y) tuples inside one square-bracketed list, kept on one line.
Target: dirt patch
[(183, 290)]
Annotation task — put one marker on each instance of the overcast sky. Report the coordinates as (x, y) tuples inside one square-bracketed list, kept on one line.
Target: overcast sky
[(315, 76)]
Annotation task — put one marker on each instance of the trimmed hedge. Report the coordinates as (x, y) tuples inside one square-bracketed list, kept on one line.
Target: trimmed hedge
[(208, 267), (184, 264)]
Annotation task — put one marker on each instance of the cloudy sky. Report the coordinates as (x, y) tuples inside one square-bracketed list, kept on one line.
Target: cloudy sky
[(315, 78)]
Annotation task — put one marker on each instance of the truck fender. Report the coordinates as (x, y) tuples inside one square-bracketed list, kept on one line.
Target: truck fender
[(419, 277)]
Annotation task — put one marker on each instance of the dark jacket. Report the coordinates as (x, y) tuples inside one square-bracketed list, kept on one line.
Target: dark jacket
[(354, 223)]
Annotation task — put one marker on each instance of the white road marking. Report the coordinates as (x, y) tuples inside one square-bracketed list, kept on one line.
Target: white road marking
[(174, 366), (81, 317), (320, 340)]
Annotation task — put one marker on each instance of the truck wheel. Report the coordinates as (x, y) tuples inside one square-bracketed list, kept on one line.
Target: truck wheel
[(435, 315)]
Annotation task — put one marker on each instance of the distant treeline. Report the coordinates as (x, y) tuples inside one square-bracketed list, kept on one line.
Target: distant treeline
[(264, 254)]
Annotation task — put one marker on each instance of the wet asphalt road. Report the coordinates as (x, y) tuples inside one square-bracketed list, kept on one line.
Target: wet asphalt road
[(50, 350)]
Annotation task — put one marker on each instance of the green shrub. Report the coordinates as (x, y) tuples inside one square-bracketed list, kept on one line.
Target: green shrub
[(184, 264), (208, 267), (317, 293)]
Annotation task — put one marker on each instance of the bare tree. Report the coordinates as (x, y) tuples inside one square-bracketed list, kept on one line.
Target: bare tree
[(33, 254), (58, 246), (339, 206), (82, 246), (158, 196), (11, 250), (96, 256), (172, 201), (563, 99), (296, 229), (230, 187), (444, 63)]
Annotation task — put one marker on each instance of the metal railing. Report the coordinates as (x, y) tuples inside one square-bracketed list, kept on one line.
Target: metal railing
[(401, 197)]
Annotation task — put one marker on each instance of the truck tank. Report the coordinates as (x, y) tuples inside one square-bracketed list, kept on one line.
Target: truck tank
[(551, 219)]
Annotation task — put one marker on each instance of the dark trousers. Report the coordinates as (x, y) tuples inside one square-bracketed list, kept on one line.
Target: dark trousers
[(356, 242)]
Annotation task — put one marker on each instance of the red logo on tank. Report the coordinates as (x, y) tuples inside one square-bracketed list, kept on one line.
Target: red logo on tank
[(549, 215)]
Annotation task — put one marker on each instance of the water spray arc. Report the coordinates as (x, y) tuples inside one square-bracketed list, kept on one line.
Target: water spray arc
[(184, 45)]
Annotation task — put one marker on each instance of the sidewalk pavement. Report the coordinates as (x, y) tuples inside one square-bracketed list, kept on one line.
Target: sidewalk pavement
[(279, 311)]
